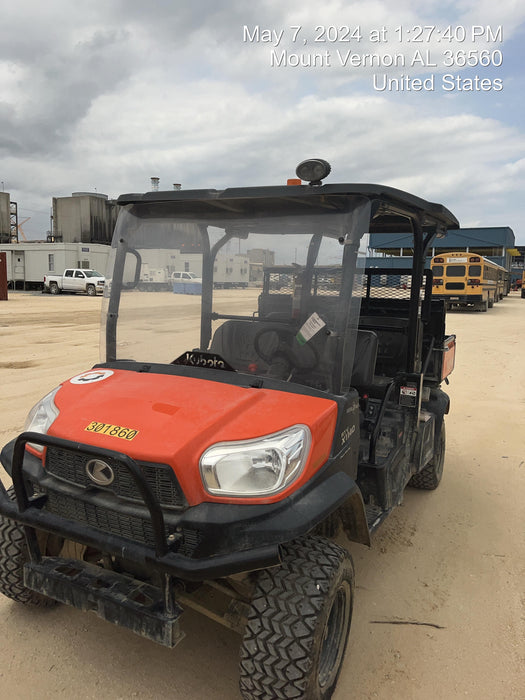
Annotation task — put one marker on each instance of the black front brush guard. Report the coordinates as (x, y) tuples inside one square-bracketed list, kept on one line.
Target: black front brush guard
[(30, 512)]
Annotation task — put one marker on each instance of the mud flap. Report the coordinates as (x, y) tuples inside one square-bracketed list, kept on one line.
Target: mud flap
[(124, 601)]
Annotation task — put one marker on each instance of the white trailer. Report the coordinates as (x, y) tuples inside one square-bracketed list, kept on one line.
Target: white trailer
[(231, 271), (28, 263)]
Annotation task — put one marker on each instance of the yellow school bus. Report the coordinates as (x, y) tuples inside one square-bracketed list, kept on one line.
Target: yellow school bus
[(503, 283), (465, 279)]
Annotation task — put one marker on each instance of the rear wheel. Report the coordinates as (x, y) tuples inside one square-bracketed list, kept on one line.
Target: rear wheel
[(53, 288), (483, 305), (298, 625), (13, 556), (430, 476)]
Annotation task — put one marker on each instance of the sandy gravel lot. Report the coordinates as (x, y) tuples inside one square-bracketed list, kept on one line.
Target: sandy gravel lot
[(452, 561)]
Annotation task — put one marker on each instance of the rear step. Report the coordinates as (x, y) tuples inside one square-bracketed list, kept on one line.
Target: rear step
[(126, 602)]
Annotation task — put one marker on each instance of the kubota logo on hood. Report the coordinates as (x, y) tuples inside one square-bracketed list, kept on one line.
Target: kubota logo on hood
[(94, 375)]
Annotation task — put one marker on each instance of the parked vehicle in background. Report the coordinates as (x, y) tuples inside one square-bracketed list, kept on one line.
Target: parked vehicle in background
[(464, 280), (185, 277), (186, 283), (75, 280)]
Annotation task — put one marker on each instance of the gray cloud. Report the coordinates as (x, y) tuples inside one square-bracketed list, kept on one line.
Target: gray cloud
[(105, 94)]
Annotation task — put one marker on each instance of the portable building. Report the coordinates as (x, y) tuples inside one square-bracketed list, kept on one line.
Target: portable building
[(27, 263)]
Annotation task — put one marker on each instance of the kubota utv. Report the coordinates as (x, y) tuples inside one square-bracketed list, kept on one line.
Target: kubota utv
[(227, 435)]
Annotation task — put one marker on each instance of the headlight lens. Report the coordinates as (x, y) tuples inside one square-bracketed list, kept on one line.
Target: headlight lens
[(41, 416), (259, 467)]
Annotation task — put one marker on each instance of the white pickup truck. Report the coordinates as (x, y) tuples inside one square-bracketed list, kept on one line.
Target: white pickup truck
[(75, 280)]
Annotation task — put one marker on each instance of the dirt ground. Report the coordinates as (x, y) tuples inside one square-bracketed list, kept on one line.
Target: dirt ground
[(440, 601)]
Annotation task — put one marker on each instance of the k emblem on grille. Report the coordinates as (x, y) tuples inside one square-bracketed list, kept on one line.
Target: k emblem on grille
[(100, 472)]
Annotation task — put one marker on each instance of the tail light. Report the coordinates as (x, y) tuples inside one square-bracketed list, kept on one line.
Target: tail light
[(439, 260), (437, 283), (474, 281), (474, 260)]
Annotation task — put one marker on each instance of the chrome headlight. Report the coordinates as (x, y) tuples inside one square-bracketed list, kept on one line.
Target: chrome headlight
[(41, 416), (259, 467)]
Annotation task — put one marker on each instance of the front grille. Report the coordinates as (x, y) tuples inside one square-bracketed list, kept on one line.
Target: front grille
[(70, 466), (130, 527)]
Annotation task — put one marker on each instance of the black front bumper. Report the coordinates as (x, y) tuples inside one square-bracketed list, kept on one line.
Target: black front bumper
[(232, 538)]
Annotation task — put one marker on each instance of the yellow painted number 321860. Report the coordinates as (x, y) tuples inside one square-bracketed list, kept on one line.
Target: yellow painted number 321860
[(112, 430)]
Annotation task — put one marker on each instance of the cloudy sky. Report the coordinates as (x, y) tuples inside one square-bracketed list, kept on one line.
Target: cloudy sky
[(424, 95)]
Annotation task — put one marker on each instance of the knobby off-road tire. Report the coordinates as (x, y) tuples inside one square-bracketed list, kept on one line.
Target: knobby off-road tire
[(430, 476), (298, 624), (13, 556)]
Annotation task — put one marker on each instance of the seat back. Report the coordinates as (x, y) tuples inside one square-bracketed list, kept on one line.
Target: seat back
[(365, 356), (392, 335), (234, 342)]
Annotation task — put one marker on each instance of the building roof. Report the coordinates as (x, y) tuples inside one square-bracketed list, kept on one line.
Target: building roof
[(493, 236)]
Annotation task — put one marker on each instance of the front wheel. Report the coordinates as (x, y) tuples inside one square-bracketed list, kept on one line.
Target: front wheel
[(298, 624), (91, 290), (13, 556)]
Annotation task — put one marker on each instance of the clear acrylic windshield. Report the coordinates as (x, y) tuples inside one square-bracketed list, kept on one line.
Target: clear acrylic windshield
[(272, 296)]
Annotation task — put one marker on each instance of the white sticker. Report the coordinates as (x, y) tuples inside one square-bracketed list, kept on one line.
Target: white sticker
[(311, 326), (457, 260), (94, 375), (408, 391)]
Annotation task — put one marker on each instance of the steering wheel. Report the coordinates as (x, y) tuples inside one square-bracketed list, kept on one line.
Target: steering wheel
[(283, 351)]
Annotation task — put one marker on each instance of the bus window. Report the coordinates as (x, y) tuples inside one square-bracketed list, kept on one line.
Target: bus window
[(437, 270), (474, 270), (456, 271)]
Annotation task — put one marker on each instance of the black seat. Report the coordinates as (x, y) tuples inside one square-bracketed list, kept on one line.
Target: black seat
[(234, 342), (392, 335), (365, 356)]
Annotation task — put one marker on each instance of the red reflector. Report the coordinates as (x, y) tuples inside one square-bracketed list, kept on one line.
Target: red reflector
[(293, 181)]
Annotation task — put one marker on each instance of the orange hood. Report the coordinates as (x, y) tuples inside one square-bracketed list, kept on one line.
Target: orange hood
[(176, 418)]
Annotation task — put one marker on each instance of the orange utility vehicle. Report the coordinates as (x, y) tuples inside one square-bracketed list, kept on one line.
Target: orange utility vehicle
[(225, 437)]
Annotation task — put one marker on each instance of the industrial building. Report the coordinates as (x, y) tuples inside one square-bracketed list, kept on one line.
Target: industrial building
[(5, 219), (82, 228), (85, 217)]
